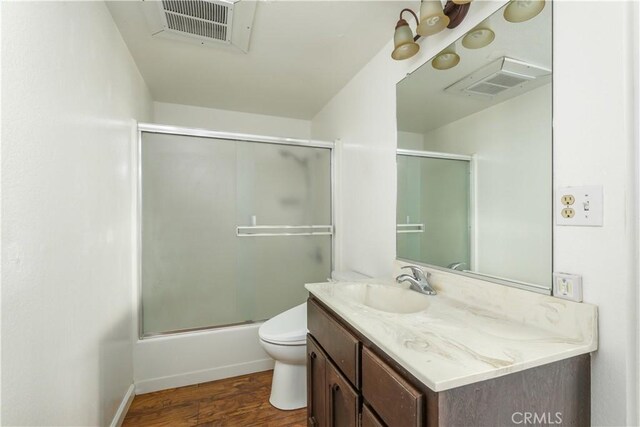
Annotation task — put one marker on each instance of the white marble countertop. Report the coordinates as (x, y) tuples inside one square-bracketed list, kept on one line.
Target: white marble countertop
[(471, 331)]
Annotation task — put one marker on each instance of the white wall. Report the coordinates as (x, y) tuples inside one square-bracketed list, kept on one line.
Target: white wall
[(230, 121), (593, 144), (70, 91), (410, 140), (512, 183)]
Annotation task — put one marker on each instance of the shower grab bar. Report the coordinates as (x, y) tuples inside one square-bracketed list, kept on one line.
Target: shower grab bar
[(245, 230), (419, 228)]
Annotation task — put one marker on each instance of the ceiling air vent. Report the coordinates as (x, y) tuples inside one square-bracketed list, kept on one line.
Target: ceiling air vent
[(205, 22), (500, 76), (199, 18)]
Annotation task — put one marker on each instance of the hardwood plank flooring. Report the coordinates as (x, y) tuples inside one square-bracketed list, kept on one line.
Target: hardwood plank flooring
[(232, 402)]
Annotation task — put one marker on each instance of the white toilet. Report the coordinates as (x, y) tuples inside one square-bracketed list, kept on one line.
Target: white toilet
[(284, 338)]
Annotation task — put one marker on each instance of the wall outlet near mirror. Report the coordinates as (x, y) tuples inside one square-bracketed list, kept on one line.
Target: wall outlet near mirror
[(581, 206), (567, 286)]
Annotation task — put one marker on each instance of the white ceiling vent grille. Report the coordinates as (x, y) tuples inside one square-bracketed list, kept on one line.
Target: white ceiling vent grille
[(198, 18), (205, 22), (500, 76)]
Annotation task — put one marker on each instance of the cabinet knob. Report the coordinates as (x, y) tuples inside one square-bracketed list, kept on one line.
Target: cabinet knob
[(313, 355)]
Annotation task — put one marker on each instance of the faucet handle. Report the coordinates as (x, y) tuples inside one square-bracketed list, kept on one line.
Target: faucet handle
[(417, 272)]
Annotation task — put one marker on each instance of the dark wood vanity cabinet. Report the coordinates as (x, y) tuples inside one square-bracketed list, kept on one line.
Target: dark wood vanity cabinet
[(349, 385), (331, 399), (351, 382)]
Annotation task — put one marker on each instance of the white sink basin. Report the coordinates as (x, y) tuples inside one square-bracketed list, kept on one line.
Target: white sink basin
[(384, 298)]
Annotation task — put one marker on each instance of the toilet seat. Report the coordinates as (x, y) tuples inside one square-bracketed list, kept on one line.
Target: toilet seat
[(287, 328), (291, 343)]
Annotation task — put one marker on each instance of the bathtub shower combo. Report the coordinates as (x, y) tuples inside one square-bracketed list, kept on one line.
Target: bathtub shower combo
[(231, 227)]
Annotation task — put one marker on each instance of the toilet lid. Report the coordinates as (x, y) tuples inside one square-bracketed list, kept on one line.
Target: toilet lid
[(286, 328)]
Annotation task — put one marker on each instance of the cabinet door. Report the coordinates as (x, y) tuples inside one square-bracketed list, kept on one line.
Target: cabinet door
[(369, 418), (341, 399), (316, 384)]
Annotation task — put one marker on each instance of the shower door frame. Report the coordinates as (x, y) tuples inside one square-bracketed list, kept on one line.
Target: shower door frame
[(228, 136), (472, 212)]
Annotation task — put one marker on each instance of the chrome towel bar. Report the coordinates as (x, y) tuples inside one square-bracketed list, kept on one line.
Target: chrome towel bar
[(283, 230)]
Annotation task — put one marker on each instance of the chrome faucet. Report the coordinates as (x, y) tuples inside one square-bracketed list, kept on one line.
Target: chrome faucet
[(456, 265), (418, 281)]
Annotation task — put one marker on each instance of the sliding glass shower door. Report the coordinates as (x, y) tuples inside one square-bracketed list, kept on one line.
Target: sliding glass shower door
[(230, 230)]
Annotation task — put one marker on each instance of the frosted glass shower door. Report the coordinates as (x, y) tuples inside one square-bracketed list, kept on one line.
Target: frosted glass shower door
[(198, 269), (282, 186)]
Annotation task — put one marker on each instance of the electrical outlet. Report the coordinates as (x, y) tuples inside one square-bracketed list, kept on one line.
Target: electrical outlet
[(567, 286), (579, 206)]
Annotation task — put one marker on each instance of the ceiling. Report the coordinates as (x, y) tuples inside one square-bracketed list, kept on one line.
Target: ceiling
[(422, 103), (301, 54)]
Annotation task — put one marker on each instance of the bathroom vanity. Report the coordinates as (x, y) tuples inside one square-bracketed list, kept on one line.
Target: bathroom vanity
[(472, 355)]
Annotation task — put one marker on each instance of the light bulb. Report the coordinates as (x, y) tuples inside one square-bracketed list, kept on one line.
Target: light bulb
[(478, 37), (432, 18), (404, 45), (523, 10), (446, 59)]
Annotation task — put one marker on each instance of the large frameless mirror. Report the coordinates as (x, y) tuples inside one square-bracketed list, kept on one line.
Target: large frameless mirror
[(475, 154)]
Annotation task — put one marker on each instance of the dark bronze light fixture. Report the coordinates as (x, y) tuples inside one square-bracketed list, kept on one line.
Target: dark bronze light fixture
[(433, 19)]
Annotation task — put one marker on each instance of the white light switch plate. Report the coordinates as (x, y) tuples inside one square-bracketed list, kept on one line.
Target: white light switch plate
[(581, 206), (567, 286)]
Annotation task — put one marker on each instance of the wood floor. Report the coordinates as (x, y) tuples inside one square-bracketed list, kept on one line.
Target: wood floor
[(240, 401)]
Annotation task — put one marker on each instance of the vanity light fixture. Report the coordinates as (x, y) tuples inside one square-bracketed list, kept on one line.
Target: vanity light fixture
[(523, 10), (456, 12), (433, 19), (404, 43), (446, 59), (480, 36)]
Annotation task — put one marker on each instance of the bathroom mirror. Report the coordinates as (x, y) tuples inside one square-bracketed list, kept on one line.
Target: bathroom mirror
[(475, 155)]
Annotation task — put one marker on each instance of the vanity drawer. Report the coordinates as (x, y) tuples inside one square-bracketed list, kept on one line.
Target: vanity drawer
[(341, 346), (396, 401)]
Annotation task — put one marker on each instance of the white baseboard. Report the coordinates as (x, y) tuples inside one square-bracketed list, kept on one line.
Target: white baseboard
[(118, 418), (197, 377)]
